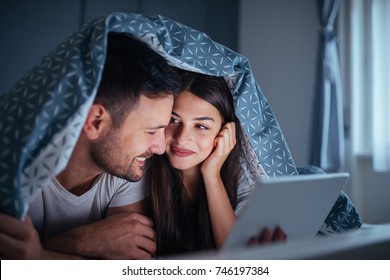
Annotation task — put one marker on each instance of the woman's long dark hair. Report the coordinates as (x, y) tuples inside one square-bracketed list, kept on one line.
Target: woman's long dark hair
[(182, 224)]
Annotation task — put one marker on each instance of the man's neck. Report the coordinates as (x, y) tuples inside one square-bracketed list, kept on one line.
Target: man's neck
[(77, 184), (79, 175)]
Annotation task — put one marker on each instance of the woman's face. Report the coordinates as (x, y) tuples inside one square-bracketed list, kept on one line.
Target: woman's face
[(191, 132)]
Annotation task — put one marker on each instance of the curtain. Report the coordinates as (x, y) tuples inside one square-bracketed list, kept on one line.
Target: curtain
[(370, 80), (327, 148)]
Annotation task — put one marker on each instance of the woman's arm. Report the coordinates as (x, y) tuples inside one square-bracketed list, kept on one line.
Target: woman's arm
[(221, 211)]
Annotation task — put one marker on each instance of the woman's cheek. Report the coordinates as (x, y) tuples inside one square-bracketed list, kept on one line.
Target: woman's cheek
[(209, 144)]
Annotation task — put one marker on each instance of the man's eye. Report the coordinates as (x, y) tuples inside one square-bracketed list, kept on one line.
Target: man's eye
[(152, 132)]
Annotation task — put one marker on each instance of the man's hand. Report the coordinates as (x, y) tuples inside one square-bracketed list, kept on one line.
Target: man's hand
[(119, 236), (19, 239)]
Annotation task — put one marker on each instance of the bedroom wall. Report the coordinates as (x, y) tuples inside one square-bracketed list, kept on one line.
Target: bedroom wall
[(280, 38), (30, 29)]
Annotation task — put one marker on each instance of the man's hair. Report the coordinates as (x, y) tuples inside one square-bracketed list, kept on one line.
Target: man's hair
[(132, 68)]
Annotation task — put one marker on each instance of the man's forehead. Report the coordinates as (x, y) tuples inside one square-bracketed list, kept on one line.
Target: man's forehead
[(153, 112), (155, 100)]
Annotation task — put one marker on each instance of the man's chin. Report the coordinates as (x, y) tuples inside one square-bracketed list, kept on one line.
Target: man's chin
[(135, 176)]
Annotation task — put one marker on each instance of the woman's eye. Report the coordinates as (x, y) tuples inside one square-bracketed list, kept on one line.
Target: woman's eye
[(202, 127), (174, 121)]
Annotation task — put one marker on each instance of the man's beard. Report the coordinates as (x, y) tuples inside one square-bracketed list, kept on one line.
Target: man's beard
[(107, 155)]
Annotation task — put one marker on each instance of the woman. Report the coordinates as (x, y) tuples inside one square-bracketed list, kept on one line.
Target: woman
[(193, 186)]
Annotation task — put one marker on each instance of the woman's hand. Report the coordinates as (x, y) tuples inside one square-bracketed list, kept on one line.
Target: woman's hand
[(269, 236), (224, 143)]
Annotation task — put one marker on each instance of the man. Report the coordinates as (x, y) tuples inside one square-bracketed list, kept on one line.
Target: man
[(91, 209)]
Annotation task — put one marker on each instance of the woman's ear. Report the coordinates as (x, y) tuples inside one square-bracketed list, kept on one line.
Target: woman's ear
[(97, 120)]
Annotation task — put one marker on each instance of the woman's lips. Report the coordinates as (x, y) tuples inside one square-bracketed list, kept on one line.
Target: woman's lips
[(182, 152)]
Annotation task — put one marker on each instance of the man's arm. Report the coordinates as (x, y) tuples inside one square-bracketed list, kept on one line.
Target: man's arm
[(20, 240), (123, 234)]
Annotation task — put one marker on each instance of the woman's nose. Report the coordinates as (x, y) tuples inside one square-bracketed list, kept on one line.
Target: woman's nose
[(182, 134)]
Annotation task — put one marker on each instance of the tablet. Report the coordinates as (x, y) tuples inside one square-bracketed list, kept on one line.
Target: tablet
[(297, 204)]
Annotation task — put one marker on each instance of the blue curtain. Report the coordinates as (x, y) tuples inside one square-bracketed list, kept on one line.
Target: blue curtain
[(327, 149)]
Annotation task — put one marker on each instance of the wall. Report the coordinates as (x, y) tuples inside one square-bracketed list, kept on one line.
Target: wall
[(370, 191), (280, 38), (30, 29)]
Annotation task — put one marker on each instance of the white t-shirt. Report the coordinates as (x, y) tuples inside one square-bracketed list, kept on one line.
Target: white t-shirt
[(56, 210)]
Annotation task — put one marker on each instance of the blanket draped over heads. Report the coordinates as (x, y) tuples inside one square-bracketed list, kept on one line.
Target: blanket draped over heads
[(43, 114)]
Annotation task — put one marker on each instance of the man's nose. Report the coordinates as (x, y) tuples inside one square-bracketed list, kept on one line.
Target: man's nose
[(158, 146)]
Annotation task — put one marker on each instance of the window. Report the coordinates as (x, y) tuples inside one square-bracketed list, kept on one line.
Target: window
[(368, 42)]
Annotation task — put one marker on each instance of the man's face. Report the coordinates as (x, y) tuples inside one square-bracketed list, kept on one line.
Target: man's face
[(122, 152)]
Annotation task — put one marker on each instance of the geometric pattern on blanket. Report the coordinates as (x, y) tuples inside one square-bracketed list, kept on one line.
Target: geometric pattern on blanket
[(343, 215), (42, 115)]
